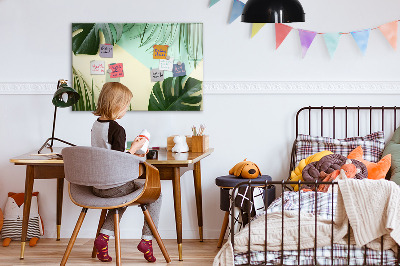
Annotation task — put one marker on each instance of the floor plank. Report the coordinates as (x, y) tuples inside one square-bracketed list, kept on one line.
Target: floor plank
[(50, 252)]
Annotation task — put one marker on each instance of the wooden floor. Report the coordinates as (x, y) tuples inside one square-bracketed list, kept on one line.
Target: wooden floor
[(50, 252)]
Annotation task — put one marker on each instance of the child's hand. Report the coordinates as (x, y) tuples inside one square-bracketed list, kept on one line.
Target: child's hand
[(137, 144), (143, 155)]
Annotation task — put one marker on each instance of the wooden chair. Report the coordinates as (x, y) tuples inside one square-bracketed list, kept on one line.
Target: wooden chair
[(85, 167)]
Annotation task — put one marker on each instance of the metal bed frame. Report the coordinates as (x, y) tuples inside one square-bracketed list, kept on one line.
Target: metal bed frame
[(283, 184)]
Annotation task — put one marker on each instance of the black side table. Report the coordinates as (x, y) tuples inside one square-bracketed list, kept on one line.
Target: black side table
[(226, 183)]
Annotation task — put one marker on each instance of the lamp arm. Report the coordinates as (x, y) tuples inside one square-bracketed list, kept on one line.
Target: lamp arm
[(54, 126)]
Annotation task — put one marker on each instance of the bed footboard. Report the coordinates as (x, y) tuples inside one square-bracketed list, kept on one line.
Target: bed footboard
[(312, 259)]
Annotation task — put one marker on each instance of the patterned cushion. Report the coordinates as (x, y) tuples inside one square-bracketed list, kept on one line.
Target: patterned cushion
[(372, 144)]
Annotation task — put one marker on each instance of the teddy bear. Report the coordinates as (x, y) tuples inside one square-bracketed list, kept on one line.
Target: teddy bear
[(245, 169), (13, 215), (180, 144)]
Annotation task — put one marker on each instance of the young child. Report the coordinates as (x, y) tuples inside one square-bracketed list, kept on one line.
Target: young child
[(113, 103)]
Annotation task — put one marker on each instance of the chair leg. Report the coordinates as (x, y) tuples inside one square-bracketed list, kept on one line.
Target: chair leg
[(101, 222), (117, 239), (73, 237), (223, 229), (154, 230)]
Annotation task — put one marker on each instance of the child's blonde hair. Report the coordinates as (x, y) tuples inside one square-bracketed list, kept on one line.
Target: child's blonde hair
[(113, 97)]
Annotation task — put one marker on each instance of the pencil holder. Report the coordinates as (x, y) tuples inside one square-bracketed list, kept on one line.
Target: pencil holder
[(200, 143)]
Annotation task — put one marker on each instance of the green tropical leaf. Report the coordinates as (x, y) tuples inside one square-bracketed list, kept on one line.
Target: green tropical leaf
[(174, 96), (88, 40)]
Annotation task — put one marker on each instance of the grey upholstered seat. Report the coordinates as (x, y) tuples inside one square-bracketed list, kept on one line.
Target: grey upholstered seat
[(85, 167), (83, 196)]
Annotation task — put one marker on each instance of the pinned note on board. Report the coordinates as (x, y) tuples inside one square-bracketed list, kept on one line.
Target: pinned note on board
[(117, 70), (160, 51), (156, 75), (106, 50), (110, 79), (97, 67), (166, 64), (179, 70)]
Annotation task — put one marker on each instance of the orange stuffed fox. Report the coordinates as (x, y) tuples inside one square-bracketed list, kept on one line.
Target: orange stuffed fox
[(13, 214), (245, 169)]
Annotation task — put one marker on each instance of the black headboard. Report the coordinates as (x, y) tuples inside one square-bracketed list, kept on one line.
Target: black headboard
[(344, 121)]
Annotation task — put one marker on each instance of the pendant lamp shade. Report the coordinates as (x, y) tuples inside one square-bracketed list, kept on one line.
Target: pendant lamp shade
[(273, 11)]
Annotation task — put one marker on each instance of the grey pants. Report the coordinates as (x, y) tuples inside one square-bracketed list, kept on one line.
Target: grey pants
[(154, 208)]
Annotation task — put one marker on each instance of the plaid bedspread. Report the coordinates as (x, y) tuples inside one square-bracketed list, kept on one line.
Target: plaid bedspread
[(307, 202)]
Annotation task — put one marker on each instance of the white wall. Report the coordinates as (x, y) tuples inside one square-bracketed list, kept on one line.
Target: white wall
[(35, 44)]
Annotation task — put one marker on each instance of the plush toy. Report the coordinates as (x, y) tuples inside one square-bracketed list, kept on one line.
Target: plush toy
[(1, 220), (296, 174), (245, 169), (375, 170), (13, 215), (180, 144)]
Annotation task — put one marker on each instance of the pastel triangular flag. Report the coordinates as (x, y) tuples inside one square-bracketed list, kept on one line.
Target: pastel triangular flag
[(256, 28), (361, 37), (306, 39), (389, 30), (237, 9), (213, 2), (332, 41), (281, 31)]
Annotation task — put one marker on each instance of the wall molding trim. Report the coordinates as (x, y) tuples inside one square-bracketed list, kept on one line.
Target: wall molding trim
[(251, 87)]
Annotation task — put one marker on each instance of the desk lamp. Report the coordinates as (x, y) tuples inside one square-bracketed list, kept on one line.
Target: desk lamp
[(63, 97), (273, 11)]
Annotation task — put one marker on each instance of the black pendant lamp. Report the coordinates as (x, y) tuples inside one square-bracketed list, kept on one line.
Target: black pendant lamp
[(273, 11)]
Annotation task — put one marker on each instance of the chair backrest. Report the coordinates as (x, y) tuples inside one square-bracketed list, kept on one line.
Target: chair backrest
[(92, 166)]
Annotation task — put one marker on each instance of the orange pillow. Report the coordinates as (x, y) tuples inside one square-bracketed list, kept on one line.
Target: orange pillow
[(375, 170)]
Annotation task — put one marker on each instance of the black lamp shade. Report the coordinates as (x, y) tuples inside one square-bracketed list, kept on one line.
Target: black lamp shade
[(273, 11), (65, 96)]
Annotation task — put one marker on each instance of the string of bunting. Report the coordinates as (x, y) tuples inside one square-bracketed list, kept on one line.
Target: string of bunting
[(361, 37)]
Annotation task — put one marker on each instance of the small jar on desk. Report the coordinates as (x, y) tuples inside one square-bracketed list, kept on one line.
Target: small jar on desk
[(226, 183)]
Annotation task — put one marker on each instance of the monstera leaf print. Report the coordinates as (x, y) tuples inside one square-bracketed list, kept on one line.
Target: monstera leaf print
[(172, 95), (88, 40)]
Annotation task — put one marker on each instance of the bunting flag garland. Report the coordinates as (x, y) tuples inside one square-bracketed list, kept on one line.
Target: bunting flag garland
[(281, 31), (361, 37), (237, 9), (213, 2), (306, 39), (332, 41), (389, 30), (256, 28)]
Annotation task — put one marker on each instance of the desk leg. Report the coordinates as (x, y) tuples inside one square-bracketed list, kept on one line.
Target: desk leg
[(27, 206), (176, 182), (199, 204), (60, 190)]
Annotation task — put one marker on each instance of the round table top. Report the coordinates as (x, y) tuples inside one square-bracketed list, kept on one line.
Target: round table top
[(230, 181)]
